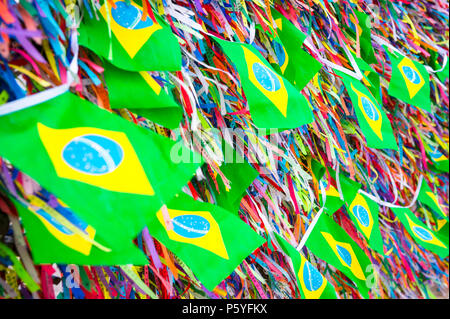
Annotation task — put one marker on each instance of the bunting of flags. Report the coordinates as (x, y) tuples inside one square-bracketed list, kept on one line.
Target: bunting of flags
[(272, 100), (116, 117), (409, 81), (130, 39)]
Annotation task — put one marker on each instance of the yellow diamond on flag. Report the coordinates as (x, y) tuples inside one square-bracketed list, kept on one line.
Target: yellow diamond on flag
[(268, 82), (98, 157), (198, 228), (126, 24), (370, 111), (424, 234), (344, 252), (60, 232), (313, 283), (361, 211), (413, 79)]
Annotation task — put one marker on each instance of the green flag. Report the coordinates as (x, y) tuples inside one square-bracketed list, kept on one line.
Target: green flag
[(121, 36), (210, 240), (51, 242), (410, 81), (311, 283), (440, 161), (329, 242), (273, 101), (372, 120), (240, 174), (420, 232), (364, 213), (109, 171), (326, 182), (148, 99), (364, 29), (442, 75), (427, 197), (295, 64), (371, 79)]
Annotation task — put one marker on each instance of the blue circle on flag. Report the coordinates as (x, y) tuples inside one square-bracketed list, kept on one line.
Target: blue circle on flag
[(361, 214), (129, 17), (93, 154), (266, 77), (311, 277), (422, 233), (369, 109), (191, 226), (411, 74), (345, 254), (279, 51)]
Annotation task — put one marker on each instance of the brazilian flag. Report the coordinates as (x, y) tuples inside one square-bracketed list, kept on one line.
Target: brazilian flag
[(410, 81), (112, 173), (273, 101), (52, 242), (427, 197), (421, 233), (312, 284), (372, 120), (329, 242), (364, 213), (148, 99), (126, 39), (295, 64), (210, 240)]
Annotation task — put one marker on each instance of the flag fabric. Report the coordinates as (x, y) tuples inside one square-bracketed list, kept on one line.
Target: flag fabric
[(273, 101), (427, 197), (440, 161), (51, 242), (312, 284), (329, 242), (421, 233), (410, 81), (364, 213), (210, 240), (371, 79), (240, 174), (148, 98), (372, 120), (133, 44), (363, 28), (295, 64), (111, 172), (333, 201)]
